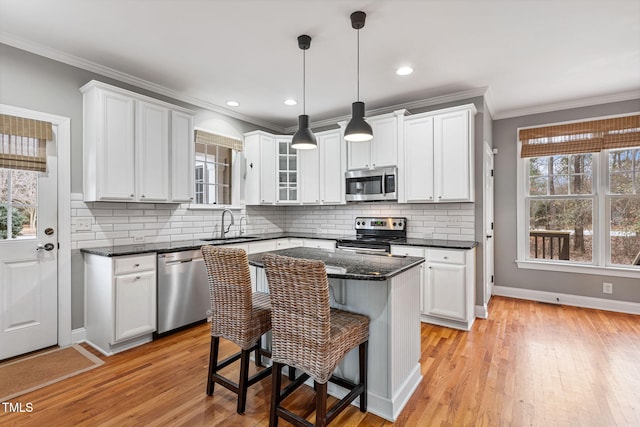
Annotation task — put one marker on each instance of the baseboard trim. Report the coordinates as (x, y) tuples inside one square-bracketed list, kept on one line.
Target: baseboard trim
[(78, 335), (482, 311), (568, 299)]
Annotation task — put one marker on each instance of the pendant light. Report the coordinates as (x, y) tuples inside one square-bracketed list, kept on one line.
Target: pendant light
[(303, 139), (358, 129)]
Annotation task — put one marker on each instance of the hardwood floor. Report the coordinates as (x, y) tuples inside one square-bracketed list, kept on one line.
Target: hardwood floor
[(528, 364)]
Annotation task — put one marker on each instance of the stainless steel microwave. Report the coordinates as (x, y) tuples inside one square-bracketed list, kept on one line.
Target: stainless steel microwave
[(369, 185)]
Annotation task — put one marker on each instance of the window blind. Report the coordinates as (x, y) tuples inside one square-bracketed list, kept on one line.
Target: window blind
[(203, 137), (23, 143), (581, 137)]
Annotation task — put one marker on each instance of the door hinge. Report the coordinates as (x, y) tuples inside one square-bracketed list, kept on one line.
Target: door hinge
[(492, 278), (492, 225), (491, 172)]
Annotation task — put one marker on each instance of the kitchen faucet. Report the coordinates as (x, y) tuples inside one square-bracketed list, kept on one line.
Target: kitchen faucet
[(222, 230)]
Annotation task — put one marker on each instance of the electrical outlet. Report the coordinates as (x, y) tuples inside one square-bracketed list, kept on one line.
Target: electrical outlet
[(607, 288), (83, 224), (138, 239)]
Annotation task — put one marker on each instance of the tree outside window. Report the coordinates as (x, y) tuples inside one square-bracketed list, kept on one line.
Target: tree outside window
[(18, 195)]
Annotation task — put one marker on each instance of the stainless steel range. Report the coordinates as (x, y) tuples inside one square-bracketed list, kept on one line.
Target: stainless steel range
[(375, 234)]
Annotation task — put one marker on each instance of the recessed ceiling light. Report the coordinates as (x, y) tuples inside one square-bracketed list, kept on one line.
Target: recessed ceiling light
[(290, 102), (233, 103), (404, 71)]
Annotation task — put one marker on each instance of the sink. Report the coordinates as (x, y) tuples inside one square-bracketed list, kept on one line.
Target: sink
[(230, 239)]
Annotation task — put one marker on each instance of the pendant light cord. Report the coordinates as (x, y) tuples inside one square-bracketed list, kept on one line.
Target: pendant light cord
[(304, 83), (358, 66)]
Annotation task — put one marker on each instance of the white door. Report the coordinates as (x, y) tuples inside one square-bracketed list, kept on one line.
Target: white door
[(28, 258), (488, 222)]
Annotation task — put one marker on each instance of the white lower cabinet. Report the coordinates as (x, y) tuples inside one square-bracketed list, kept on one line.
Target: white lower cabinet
[(447, 285), (120, 295)]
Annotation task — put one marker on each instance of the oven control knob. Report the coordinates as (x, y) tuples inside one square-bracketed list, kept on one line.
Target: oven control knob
[(399, 224), (394, 224), (358, 222)]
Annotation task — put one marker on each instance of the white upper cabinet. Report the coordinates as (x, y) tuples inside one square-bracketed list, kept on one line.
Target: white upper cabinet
[(418, 134), (309, 174), (332, 153), (453, 156), (287, 172), (382, 150), (438, 156), (260, 158), (277, 173), (182, 157), (152, 152), (127, 145)]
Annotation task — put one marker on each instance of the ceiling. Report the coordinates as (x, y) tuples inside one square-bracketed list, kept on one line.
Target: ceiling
[(530, 56)]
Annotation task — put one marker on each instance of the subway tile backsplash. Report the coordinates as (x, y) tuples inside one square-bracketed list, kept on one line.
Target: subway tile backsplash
[(112, 223)]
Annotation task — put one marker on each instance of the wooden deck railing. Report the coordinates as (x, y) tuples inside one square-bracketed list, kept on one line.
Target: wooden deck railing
[(548, 237)]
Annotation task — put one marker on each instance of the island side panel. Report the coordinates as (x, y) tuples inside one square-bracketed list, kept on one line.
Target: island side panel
[(370, 298), (404, 351)]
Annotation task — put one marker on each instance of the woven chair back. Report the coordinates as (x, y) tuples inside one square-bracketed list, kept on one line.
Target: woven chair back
[(300, 312), (230, 292)]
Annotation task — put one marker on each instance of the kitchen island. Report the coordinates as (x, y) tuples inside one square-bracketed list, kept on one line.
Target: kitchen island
[(387, 289)]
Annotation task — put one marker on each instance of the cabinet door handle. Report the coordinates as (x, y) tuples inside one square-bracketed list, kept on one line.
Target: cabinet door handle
[(136, 265), (138, 277), (446, 257), (131, 195)]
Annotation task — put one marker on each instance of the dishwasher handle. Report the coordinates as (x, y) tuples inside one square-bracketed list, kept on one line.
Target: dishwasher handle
[(180, 261)]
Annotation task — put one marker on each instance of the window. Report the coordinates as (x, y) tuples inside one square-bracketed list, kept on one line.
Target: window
[(23, 155), (213, 168), (579, 193)]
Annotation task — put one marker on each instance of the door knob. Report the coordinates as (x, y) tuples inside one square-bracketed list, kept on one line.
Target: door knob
[(47, 247)]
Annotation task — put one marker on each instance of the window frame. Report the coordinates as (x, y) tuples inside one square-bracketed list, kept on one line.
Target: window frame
[(600, 264), (236, 179)]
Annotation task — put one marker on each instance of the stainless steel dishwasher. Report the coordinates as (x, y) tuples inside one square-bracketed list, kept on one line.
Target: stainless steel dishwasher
[(183, 290)]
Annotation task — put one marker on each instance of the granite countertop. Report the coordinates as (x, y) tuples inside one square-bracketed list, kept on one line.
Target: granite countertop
[(348, 264), (185, 245)]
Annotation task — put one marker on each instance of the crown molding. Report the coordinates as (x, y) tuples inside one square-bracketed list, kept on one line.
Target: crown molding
[(578, 103), (471, 93), (93, 67)]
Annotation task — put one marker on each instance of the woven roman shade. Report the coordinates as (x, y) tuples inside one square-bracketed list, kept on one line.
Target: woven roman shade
[(203, 137), (582, 137), (23, 143)]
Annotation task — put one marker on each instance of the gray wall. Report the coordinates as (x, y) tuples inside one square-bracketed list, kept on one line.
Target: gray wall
[(506, 271), (33, 82), (37, 83)]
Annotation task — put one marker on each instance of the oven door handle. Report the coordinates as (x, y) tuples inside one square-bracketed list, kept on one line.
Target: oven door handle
[(353, 249)]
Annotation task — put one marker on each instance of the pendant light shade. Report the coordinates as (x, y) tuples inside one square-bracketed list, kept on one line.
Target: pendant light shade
[(358, 129), (303, 139)]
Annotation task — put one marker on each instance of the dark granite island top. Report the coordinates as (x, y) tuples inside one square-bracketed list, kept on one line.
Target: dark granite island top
[(343, 264)]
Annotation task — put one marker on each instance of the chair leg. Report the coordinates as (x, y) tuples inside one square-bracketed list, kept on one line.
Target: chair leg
[(363, 351), (321, 404), (292, 373), (258, 355), (213, 364), (243, 382), (276, 382)]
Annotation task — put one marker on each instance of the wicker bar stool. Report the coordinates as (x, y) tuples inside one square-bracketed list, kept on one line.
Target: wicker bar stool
[(309, 335), (237, 315)]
